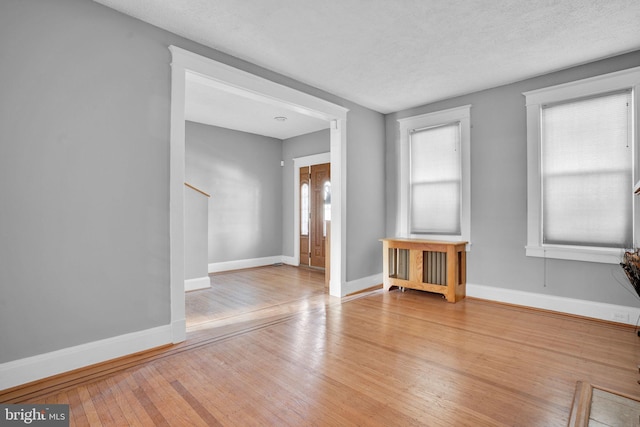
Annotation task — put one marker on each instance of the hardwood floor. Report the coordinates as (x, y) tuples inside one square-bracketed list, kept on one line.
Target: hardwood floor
[(378, 358), (251, 293)]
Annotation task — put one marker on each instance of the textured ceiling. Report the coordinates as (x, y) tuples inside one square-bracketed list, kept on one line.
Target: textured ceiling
[(390, 55)]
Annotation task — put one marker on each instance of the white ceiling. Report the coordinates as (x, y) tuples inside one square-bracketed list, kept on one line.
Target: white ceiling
[(208, 104), (390, 55)]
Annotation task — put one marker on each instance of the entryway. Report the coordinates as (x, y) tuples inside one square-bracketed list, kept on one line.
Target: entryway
[(315, 211), (237, 81)]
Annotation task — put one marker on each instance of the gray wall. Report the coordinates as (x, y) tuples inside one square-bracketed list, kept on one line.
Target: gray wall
[(84, 154), (365, 183), (499, 194), (196, 241), (299, 146), (242, 172), (366, 202), (84, 174)]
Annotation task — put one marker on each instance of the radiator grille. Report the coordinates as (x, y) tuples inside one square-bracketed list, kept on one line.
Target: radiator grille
[(435, 267), (399, 263)]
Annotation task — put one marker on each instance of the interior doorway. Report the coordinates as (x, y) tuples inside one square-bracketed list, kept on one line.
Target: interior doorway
[(251, 86), (315, 211)]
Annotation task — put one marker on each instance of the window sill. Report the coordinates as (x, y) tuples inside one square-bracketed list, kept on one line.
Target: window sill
[(574, 253)]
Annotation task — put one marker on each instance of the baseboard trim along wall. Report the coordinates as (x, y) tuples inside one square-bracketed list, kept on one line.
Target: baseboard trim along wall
[(45, 365), (596, 310), (361, 284), (196, 284), (289, 260), (35, 368), (217, 267)]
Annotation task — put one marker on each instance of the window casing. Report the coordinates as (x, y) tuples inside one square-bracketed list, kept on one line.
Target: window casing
[(582, 164), (434, 180)]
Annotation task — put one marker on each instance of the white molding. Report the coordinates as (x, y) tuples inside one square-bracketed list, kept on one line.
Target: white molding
[(592, 309), (251, 86), (436, 117), (406, 125), (41, 366), (362, 284), (313, 159), (179, 330), (338, 250), (289, 260), (585, 87), (197, 284), (535, 99), (217, 267), (176, 198), (233, 80), (601, 255), (534, 185)]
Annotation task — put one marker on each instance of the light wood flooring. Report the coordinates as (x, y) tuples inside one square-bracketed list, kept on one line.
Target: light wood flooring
[(378, 358), (253, 294)]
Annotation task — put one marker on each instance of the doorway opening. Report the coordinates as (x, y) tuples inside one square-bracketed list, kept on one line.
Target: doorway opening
[(240, 82), (315, 211)]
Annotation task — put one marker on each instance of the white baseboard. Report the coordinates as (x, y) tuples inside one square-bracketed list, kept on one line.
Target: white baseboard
[(361, 284), (290, 260), (217, 267), (196, 284), (179, 331), (35, 368), (596, 310)]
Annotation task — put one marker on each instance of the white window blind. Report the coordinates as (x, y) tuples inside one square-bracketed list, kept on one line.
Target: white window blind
[(586, 165), (435, 180)]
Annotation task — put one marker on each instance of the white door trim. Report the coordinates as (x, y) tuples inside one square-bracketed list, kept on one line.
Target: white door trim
[(251, 86)]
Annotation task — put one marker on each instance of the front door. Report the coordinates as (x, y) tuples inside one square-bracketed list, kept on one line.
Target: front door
[(315, 205)]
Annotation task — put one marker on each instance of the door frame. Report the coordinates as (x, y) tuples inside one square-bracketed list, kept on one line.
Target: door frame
[(300, 162), (251, 86)]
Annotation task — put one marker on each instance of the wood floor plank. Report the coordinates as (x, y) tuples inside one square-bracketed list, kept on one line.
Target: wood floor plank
[(76, 411), (88, 406), (157, 418), (266, 346), (263, 396), (123, 401), (127, 386), (386, 379), (99, 398), (156, 393), (196, 404)]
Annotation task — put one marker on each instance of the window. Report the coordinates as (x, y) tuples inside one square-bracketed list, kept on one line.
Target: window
[(581, 168), (586, 172), (435, 179), (304, 209), (326, 198), (434, 175)]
